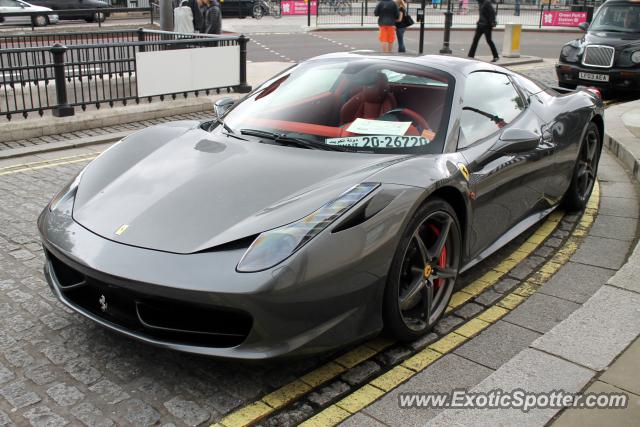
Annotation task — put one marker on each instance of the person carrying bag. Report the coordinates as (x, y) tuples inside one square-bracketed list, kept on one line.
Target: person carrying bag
[(402, 23), (183, 18)]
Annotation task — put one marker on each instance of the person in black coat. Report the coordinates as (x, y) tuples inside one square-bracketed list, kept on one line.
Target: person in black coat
[(485, 24), (212, 17)]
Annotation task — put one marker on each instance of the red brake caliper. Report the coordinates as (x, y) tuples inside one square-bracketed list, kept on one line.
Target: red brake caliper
[(442, 261)]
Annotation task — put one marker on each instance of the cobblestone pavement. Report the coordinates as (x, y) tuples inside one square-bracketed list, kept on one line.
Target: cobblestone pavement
[(101, 131), (57, 368)]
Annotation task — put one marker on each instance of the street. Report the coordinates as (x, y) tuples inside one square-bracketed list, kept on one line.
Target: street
[(300, 46)]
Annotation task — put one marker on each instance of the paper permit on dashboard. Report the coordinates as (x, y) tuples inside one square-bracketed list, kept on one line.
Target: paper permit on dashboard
[(378, 127)]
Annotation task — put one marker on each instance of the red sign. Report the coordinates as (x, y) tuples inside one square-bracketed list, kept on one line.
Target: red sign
[(293, 7), (556, 18)]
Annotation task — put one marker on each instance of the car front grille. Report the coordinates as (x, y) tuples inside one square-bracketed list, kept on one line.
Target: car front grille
[(157, 318), (598, 56)]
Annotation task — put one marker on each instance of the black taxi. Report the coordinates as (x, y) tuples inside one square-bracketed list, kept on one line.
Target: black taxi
[(608, 55)]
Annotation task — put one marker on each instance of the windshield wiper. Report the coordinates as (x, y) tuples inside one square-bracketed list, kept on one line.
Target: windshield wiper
[(290, 140)]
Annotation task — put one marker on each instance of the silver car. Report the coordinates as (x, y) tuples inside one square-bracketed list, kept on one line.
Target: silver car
[(11, 13)]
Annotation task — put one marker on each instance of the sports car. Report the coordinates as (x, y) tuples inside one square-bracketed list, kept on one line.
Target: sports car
[(340, 198)]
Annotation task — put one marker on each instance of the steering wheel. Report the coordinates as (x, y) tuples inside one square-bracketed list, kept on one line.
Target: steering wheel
[(404, 114)]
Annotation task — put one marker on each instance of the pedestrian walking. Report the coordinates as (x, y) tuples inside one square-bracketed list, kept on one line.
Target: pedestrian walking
[(402, 23), (517, 11), (212, 17), (435, 3), (486, 23), (387, 13)]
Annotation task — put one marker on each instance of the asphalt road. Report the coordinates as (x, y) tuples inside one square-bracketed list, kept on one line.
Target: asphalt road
[(300, 46)]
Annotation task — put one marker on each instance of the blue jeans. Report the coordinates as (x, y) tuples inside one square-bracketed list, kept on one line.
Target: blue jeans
[(400, 37)]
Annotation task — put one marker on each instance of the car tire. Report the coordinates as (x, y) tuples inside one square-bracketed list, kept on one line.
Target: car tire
[(257, 11), (423, 271), (98, 17), (585, 170), (40, 20)]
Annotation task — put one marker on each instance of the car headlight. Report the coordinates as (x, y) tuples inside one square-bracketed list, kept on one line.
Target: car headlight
[(567, 50), (274, 246), (635, 57), (67, 191)]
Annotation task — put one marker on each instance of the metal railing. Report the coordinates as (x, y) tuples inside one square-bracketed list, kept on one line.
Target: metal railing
[(61, 76), (465, 13), (66, 13)]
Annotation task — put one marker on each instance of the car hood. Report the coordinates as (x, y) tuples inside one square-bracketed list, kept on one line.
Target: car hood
[(180, 189), (34, 8), (617, 40)]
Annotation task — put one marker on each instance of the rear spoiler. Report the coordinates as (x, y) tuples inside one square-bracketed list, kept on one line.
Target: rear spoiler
[(591, 89)]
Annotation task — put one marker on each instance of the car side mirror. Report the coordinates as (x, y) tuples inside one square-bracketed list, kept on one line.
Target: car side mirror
[(584, 26), (222, 105), (513, 141)]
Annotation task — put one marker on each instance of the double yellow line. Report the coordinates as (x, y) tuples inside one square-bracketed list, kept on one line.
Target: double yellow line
[(384, 383), (25, 167)]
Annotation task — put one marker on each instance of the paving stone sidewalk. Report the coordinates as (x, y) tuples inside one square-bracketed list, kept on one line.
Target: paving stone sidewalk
[(512, 353)]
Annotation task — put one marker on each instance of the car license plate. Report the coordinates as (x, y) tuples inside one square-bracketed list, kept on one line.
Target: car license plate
[(594, 77)]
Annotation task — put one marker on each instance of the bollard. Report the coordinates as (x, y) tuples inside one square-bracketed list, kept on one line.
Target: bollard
[(511, 43), (448, 21), (243, 87), (141, 39), (62, 109)]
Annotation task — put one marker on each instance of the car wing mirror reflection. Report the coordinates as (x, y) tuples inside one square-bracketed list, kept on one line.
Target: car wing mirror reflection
[(584, 26)]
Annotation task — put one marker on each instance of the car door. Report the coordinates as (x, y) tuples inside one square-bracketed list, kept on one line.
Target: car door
[(504, 182), (8, 8), (229, 8)]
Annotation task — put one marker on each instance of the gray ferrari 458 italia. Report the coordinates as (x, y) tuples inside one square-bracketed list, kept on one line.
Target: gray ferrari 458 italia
[(340, 198)]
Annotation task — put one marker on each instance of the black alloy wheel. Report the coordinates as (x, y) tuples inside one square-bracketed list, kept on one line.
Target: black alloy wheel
[(586, 169), (423, 271)]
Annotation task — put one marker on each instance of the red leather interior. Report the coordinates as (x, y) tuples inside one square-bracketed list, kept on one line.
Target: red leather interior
[(371, 102)]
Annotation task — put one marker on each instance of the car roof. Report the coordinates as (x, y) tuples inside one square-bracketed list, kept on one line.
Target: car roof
[(458, 67)]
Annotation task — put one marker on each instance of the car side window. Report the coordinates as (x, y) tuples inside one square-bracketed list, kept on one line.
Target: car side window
[(9, 3), (490, 102)]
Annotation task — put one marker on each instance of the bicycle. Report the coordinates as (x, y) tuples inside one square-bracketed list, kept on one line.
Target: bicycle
[(272, 8), (340, 7)]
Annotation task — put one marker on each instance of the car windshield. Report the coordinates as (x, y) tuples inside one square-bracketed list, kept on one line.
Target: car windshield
[(617, 18), (351, 104)]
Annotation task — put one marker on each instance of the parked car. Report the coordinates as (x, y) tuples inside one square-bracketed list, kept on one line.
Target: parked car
[(64, 5), (9, 9), (340, 197), (240, 8), (608, 55)]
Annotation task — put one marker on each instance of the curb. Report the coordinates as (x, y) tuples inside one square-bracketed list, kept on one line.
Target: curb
[(63, 145), (619, 140), (19, 129)]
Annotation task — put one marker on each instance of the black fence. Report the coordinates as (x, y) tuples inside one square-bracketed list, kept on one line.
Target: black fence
[(465, 12), (69, 70)]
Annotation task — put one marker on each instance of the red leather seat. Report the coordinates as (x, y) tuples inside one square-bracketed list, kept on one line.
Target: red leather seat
[(371, 102)]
